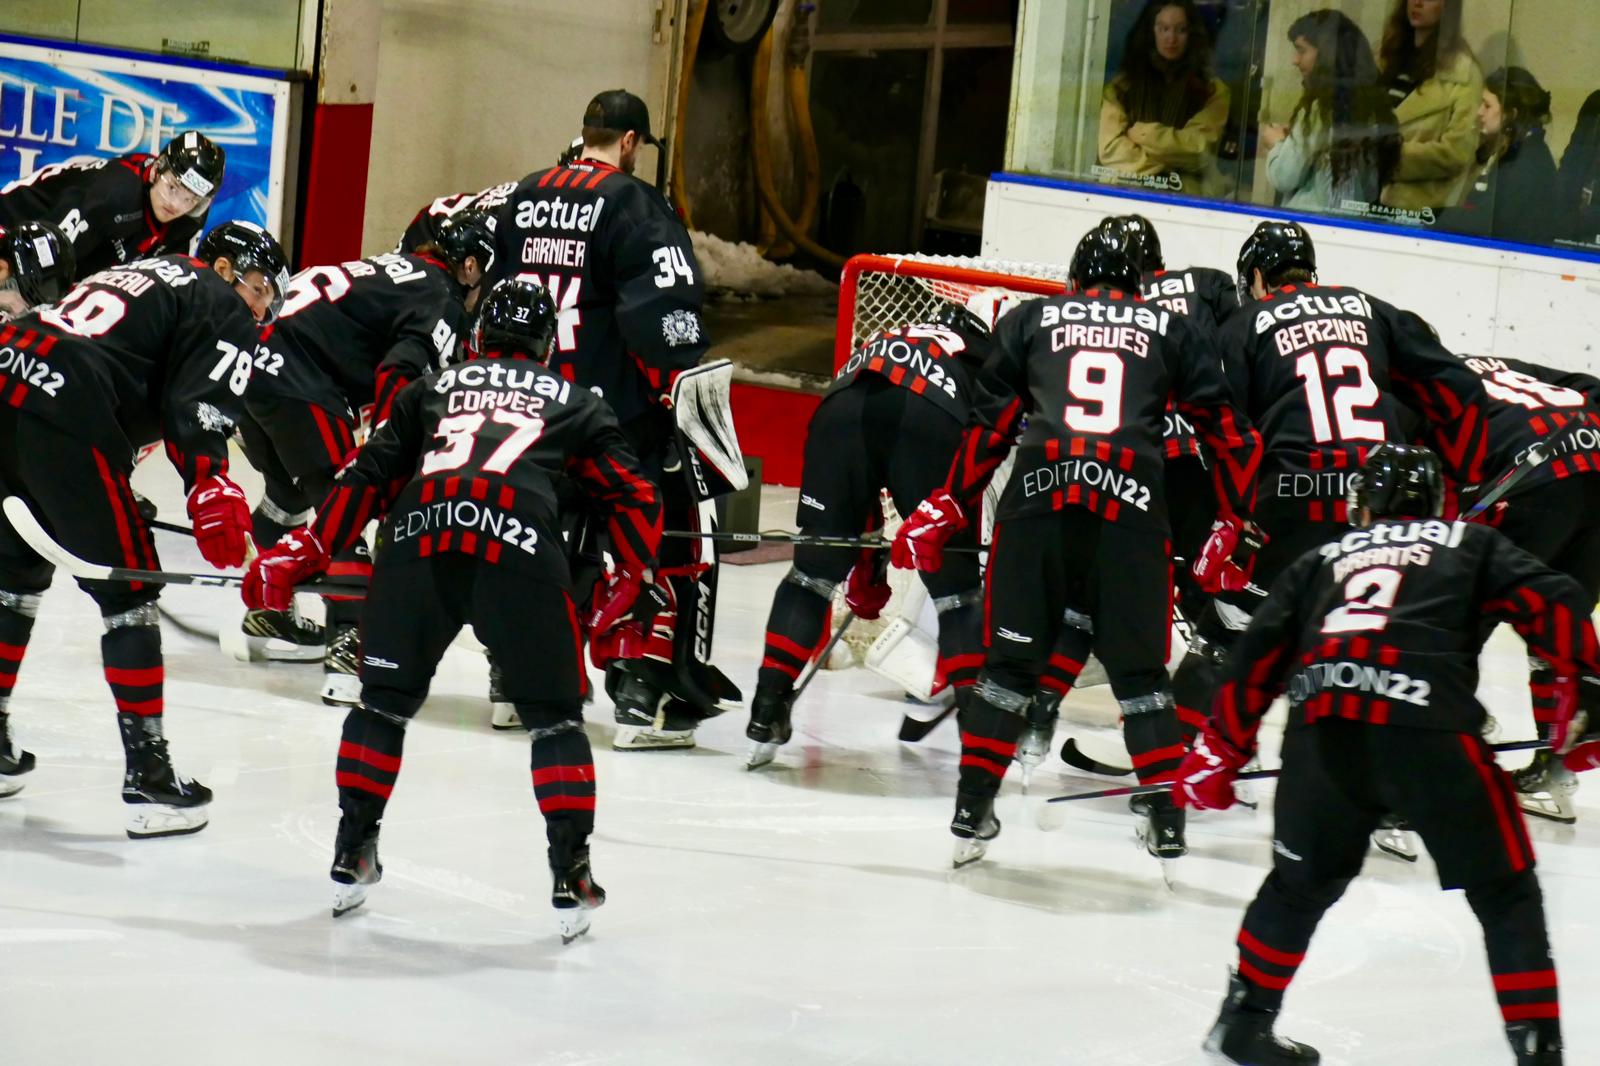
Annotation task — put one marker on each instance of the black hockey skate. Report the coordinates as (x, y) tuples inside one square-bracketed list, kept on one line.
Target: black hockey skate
[(1244, 1036), (14, 762), (341, 667), (1033, 747), (355, 869), (1536, 1043), (647, 719), (160, 803), (275, 636), (1162, 831), (1395, 837), (973, 826), (574, 893), (769, 725), (1545, 788), (502, 713)]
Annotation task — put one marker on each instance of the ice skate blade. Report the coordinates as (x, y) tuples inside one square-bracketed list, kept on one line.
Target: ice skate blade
[(347, 898), (149, 820), (245, 648), (968, 852), (504, 716), (10, 786), (341, 690), (573, 923), (1396, 842), (644, 738), (1550, 808), (1025, 773), (761, 754)]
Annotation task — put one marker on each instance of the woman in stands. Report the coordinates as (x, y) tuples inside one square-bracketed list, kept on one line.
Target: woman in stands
[(1513, 197), (1342, 143), (1434, 85), (1165, 113)]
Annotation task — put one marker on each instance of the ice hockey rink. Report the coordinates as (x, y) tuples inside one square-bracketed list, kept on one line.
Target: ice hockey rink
[(802, 914)]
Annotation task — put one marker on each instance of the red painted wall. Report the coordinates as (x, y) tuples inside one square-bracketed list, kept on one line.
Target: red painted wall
[(772, 424), (334, 201)]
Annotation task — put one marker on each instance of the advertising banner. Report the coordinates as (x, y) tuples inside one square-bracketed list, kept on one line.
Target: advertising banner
[(62, 102)]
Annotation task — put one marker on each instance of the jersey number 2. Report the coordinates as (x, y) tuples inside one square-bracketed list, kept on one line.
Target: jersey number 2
[(1368, 599), (460, 433)]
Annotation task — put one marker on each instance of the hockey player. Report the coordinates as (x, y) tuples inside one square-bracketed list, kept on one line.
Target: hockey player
[(424, 226), (1082, 527), (161, 348), (349, 338), (1324, 370), (1554, 514), (117, 210), (893, 417), (463, 475), (620, 266), (1374, 637), (37, 266)]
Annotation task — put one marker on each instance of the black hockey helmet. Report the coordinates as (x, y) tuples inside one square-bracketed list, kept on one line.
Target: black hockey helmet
[(970, 327), (1397, 480), (1146, 242), (1273, 248), (249, 247), (196, 163), (466, 233), (517, 316), (1106, 257), (571, 152), (43, 263)]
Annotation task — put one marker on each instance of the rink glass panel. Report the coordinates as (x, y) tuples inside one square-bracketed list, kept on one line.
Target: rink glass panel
[(264, 34), (1069, 50)]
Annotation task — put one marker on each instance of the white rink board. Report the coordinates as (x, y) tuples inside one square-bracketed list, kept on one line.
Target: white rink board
[(802, 915), (1483, 301)]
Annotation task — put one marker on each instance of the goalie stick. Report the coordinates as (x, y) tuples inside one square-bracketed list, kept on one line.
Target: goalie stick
[(28, 528), (1253, 775)]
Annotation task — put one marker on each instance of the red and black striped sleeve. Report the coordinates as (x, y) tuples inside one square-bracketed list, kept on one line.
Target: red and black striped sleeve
[(1201, 393), (1447, 394), (374, 476), (1548, 609), (997, 410), (389, 379), (608, 473), (1260, 662)]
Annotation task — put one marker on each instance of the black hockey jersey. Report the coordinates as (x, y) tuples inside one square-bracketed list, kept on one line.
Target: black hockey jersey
[(1322, 371), (160, 348), (422, 229), (619, 264), (103, 207), (469, 460), (1384, 625), (1093, 373), (1205, 297), (1527, 403), (925, 359), (353, 335)]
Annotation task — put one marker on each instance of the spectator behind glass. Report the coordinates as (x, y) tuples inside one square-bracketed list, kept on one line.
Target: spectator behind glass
[(1514, 196), (1342, 143), (1165, 112), (1434, 85), (1580, 176)]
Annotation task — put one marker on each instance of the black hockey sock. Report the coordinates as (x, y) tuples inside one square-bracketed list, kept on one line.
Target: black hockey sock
[(991, 722), (1545, 690), (131, 655), (1277, 929), (563, 776), (369, 762), (264, 530), (794, 629), (961, 653), (16, 625), (1511, 911), (1150, 729), (1066, 661), (1193, 685)]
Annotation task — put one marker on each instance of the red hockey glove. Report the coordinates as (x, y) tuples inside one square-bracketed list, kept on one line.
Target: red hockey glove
[(272, 576), (1225, 558), (1569, 723), (1585, 756), (626, 598), (1206, 775), (867, 592), (920, 543), (221, 518)]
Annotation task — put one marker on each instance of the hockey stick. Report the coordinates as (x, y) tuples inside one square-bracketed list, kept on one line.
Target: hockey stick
[(804, 540), (822, 656), (913, 730), (29, 529), (170, 527), (1536, 456), (1251, 775), (1074, 757)]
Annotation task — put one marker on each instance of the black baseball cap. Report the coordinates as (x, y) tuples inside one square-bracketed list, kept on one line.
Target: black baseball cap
[(620, 110)]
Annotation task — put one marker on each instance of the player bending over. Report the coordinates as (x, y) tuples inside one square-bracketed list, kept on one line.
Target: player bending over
[(893, 417), (159, 349), (1374, 637), (464, 476), (1081, 539)]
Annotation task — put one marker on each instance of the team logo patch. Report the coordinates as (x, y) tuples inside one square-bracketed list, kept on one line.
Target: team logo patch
[(212, 420), (680, 327)]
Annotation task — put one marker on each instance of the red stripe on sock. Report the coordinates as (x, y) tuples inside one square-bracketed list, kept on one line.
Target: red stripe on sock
[(136, 678), (362, 783), (566, 803), (1174, 751), (1272, 955), (1521, 1012), (389, 764), (999, 747), (142, 708), (769, 663), (998, 769), (788, 647), (1521, 982), (1265, 980), (549, 774)]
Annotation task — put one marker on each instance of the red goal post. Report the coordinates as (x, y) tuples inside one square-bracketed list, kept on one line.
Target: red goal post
[(882, 292)]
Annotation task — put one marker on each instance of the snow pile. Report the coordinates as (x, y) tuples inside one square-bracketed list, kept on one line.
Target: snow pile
[(738, 267)]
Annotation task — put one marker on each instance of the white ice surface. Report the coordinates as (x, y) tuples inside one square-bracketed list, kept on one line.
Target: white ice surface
[(804, 914)]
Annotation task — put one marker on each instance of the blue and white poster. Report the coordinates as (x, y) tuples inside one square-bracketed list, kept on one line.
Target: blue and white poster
[(62, 102)]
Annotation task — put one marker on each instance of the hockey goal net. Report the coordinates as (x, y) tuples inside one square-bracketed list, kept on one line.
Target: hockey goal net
[(879, 293)]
